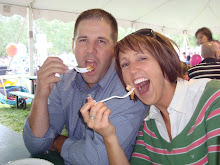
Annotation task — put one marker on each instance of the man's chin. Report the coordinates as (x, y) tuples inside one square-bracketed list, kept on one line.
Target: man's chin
[(90, 80)]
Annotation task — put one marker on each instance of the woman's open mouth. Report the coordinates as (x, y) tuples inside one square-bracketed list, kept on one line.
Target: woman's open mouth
[(142, 85)]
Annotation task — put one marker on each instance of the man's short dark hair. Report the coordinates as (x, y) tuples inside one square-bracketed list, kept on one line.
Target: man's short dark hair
[(98, 14)]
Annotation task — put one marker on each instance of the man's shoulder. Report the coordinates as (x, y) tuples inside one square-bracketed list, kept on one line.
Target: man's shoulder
[(205, 64)]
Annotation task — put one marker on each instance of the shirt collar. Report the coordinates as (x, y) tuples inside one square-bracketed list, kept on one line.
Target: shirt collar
[(185, 92), (179, 98), (177, 103)]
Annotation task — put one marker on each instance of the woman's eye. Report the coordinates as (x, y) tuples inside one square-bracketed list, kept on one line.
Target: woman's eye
[(142, 58), (124, 65)]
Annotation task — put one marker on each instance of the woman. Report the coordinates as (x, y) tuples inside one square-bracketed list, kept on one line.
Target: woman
[(183, 124), (204, 35)]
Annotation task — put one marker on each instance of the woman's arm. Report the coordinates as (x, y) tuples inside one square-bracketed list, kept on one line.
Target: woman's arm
[(116, 154), (101, 124)]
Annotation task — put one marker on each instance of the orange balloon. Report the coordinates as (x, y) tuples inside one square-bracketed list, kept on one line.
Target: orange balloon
[(11, 50)]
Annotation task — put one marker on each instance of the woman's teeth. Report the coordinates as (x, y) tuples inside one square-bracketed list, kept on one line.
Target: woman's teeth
[(140, 80), (142, 84)]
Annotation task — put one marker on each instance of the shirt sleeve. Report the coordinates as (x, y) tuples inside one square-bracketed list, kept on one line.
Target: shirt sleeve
[(213, 129), (37, 145)]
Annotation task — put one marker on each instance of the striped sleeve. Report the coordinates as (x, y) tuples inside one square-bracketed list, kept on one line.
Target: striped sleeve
[(213, 130)]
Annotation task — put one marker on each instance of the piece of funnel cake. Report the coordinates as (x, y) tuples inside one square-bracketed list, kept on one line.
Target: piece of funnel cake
[(90, 67), (129, 88)]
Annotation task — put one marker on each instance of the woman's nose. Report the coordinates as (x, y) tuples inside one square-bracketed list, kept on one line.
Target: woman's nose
[(133, 67)]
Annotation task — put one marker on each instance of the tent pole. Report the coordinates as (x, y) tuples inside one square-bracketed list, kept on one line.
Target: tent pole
[(185, 40), (30, 40)]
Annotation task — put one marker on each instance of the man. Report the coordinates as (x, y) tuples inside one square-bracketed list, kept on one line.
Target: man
[(95, 36), (209, 67)]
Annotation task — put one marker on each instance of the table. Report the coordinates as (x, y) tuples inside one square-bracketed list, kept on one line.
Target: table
[(12, 148), (32, 78)]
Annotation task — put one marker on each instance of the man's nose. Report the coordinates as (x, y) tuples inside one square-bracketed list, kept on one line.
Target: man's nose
[(91, 47)]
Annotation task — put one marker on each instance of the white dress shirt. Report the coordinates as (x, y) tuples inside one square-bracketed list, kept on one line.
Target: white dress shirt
[(181, 108)]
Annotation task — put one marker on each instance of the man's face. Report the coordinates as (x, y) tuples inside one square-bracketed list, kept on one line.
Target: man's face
[(94, 46)]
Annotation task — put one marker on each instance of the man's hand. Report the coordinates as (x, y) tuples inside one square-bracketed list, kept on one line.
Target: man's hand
[(58, 143), (46, 75)]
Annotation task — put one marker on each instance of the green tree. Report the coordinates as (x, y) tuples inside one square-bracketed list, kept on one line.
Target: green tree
[(10, 29), (58, 33)]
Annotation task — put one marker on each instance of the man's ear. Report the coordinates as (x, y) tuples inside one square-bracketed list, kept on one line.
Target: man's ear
[(73, 45)]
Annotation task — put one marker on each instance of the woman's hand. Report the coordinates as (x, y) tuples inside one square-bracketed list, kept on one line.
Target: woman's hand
[(98, 118)]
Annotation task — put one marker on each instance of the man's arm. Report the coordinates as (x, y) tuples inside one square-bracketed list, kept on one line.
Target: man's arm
[(39, 117)]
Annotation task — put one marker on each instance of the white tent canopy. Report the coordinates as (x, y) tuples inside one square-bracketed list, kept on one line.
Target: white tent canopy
[(167, 16)]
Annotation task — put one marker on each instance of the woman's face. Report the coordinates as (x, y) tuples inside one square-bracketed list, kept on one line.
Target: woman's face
[(201, 38), (142, 72)]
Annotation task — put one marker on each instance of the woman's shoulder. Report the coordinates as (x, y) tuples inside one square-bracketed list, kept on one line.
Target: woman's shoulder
[(213, 85)]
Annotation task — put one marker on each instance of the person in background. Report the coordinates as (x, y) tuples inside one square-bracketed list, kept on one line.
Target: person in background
[(184, 56), (188, 57), (184, 70), (58, 101), (204, 35), (183, 124), (209, 67)]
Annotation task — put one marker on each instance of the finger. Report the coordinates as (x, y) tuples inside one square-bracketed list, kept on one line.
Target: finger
[(105, 118), (53, 65), (52, 69), (85, 110), (99, 115), (96, 108), (89, 99)]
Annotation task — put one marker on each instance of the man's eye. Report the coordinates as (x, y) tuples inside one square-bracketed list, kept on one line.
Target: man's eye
[(101, 41), (83, 40)]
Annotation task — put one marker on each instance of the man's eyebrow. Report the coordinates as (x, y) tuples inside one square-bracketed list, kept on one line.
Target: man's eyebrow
[(81, 37), (104, 38)]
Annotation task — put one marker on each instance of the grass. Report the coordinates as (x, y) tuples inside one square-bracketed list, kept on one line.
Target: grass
[(15, 118), (12, 117)]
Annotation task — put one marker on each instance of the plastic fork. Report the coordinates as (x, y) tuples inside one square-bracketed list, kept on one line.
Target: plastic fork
[(118, 97), (80, 70)]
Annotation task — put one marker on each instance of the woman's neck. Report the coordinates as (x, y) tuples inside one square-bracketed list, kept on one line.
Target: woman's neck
[(164, 104)]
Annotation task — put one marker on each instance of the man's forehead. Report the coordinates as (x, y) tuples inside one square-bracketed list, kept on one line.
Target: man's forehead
[(94, 28)]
